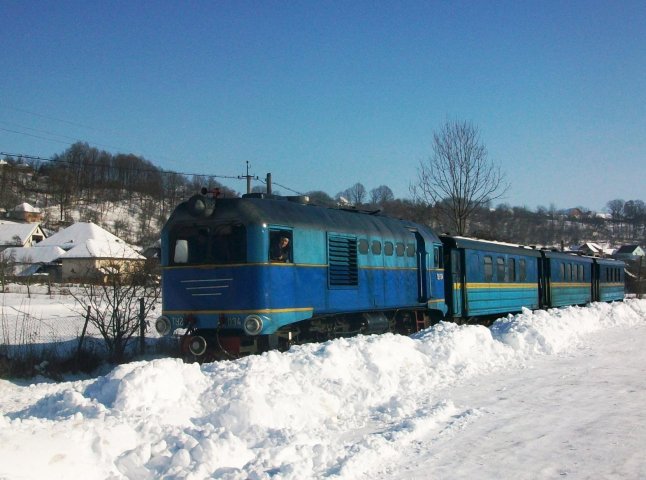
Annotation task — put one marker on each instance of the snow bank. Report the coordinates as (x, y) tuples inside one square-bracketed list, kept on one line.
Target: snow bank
[(335, 409)]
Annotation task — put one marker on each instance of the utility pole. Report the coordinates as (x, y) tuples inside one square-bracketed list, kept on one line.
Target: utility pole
[(249, 178)]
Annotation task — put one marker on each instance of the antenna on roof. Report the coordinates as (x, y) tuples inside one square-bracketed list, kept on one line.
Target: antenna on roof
[(248, 177)]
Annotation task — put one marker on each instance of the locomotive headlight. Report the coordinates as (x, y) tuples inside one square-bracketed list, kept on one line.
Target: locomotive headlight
[(252, 325), (163, 325)]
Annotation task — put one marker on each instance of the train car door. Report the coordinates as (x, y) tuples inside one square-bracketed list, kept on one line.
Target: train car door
[(544, 281), (596, 275), (456, 283), (423, 285)]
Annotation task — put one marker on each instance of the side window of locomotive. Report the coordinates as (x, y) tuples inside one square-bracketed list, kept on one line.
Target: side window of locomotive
[(376, 247), (410, 250), (437, 257), (562, 268), (363, 246), (389, 248), (400, 248), (280, 246), (488, 269)]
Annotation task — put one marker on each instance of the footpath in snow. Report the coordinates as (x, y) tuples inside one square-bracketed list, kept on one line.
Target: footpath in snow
[(547, 394)]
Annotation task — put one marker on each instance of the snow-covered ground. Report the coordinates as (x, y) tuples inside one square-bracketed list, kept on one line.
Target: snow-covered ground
[(538, 395)]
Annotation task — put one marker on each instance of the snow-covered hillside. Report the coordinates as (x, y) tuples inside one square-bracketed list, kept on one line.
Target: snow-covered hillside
[(538, 395)]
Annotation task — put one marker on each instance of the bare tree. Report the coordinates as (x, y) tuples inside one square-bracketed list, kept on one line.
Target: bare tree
[(616, 209), (458, 178), (356, 194), (381, 195), (115, 303)]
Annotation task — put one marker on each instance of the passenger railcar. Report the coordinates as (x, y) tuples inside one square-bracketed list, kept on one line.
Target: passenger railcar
[(566, 279), (244, 275), (608, 280), (485, 279)]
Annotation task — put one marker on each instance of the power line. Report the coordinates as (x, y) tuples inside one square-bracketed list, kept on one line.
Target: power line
[(150, 170), (156, 169)]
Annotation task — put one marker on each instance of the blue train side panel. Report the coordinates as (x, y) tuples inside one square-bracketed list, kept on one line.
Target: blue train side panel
[(489, 278), (566, 279), (608, 280)]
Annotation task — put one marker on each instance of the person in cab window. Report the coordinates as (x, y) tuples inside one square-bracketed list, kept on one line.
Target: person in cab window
[(280, 250)]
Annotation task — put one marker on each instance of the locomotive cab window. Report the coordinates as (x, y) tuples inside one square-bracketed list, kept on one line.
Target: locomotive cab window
[(280, 246), (215, 244)]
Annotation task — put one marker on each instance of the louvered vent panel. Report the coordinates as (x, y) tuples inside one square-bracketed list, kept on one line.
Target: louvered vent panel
[(343, 269)]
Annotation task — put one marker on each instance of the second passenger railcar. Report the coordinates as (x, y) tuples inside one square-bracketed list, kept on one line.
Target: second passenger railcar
[(487, 279)]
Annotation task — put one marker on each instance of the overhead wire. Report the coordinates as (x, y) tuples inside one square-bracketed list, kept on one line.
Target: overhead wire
[(156, 169)]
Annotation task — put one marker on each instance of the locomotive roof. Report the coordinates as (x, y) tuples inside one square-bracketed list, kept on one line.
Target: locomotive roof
[(295, 212)]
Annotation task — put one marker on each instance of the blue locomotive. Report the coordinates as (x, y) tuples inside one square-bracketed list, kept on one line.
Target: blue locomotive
[(245, 275)]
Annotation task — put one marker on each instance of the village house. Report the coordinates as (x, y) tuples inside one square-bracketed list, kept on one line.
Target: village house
[(14, 234), (629, 252), (90, 252), (27, 213), (25, 262)]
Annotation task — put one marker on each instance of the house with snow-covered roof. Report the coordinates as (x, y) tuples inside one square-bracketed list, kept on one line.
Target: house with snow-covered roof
[(90, 252), (25, 262), (27, 213), (20, 234), (629, 252)]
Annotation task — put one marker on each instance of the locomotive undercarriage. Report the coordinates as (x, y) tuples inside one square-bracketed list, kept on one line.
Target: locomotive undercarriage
[(205, 345)]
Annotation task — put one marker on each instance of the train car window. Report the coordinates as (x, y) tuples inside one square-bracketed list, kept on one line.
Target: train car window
[(388, 248), (376, 247), (437, 257), (400, 248), (410, 250), (363, 246), (488, 269), (512, 269), (562, 268), (280, 246), (568, 272), (500, 269), (523, 269)]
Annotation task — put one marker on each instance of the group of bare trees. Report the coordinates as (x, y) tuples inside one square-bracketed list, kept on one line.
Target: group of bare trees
[(85, 178)]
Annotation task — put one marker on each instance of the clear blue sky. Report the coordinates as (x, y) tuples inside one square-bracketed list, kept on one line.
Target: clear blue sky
[(326, 94)]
